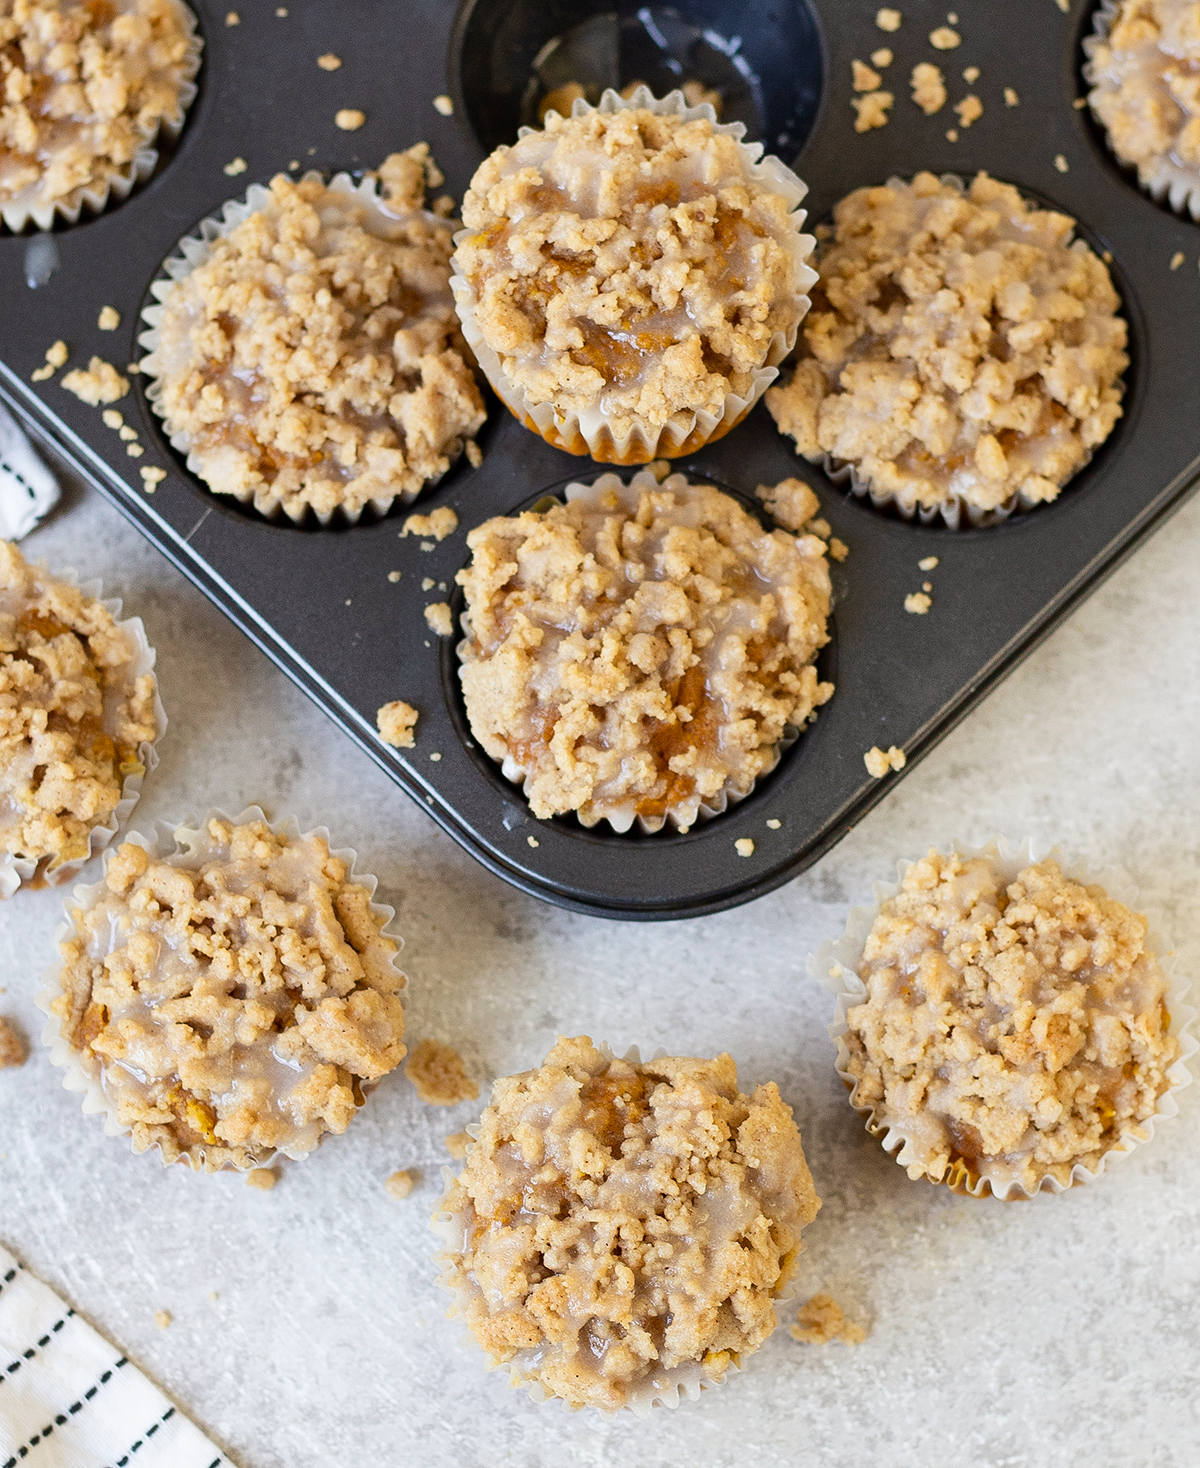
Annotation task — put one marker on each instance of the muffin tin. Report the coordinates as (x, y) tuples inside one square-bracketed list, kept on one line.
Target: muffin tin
[(319, 601)]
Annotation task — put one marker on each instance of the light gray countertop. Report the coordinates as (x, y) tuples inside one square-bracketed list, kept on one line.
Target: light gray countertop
[(307, 1331)]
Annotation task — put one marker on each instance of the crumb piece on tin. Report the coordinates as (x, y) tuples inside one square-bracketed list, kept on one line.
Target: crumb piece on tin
[(395, 576), (440, 1074), (744, 846), (444, 105), (109, 319), (349, 119), (437, 614), (969, 110), (821, 1320), (917, 602), (262, 1178), (444, 206), (1010, 97), (152, 475), (124, 432), (838, 549), (281, 12), (12, 1047), (474, 454), (883, 57), (101, 383), (162, 1318), (887, 19), (112, 418), (329, 62), (944, 39), (134, 450), (864, 79), (233, 18), (872, 110), (928, 87), (399, 1184), (560, 100), (1061, 163), (1177, 259), (56, 356), (457, 1145), (405, 177), (927, 563), (533, 841), (395, 722), (791, 502), (439, 523), (235, 166), (1064, 6), (952, 134), (773, 825), (971, 75), (879, 761)]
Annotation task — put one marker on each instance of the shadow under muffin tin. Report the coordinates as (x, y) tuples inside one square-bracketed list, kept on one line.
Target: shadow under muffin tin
[(319, 601)]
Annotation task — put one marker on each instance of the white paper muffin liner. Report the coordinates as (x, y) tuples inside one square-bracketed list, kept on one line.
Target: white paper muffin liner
[(624, 821), (190, 253), (95, 198), (673, 1386), (590, 433), (16, 871), (1172, 183), (955, 512), (835, 965), (176, 843)]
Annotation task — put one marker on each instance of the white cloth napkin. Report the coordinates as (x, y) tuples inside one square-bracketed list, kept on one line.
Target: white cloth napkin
[(70, 1400), (27, 487)]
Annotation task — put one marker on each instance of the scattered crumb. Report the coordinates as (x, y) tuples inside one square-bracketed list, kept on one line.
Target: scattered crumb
[(434, 757), (112, 418), (443, 207), (879, 762), (971, 75), (399, 1185), (864, 79), (239, 165), (1079, 103), (152, 475), (134, 368), (110, 318), (233, 18), (917, 602), (437, 614), (427, 583), (882, 57), (773, 825), (1177, 259), (457, 1145), (56, 357), (40, 374), (969, 110), (822, 1320), (820, 527), (926, 585), (1106, 256), (872, 110), (395, 723), (838, 549), (439, 1074), (349, 119), (928, 87), (791, 503), (427, 545), (443, 104), (125, 433), (1064, 6), (281, 12), (101, 383), (262, 1178), (395, 576), (952, 18), (927, 563), (744, 847), (1010, 97), (952, 134), (12, 1047), (162, 1318), (660, 468), (888, 20), (1061, 163), (473, 451), (134, 450), (944, 39), (533, 841), (329, 62), (212, 1295), (439, 523)]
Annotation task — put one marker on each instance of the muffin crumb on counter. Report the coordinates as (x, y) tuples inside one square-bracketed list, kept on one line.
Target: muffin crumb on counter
[(12, 1046), (457, 1145), (439, 1073), (821, 1320), (262, 1178), (399, 1184)]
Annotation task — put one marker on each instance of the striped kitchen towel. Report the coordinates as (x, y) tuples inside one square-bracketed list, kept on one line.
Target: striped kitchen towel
[(70, 1400), (27, 487)]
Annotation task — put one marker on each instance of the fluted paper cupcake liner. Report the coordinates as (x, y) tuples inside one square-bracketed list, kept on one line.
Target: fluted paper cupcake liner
[(623, 821), (1168, 182), (176, 844), (835, 965), (191, 252), (590, 433), (94, 198), (14, 870), (672, 1386)]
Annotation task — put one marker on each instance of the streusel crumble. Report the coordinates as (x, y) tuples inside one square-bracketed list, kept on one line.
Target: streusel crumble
[(640, 651), (961, 348), (231, 1001), (620, 1230), (312, 359), (1145, 90), (84, 86), (1010, 1030), (74, 714), (632, 270)]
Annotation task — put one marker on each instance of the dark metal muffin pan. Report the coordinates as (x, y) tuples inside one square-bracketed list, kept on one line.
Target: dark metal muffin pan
[(319, 602)]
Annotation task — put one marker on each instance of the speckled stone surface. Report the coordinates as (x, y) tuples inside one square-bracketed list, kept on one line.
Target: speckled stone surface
[(307, 1331)]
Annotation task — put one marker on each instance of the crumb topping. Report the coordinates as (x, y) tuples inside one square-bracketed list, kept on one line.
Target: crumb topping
[(960, 346), (622, 1227), (928, 87), (73, 714), (82, 88), (396, 722), (12, 1047), (313, 360), (439, 524), (439, 1073), (1010, 1030), (1145, 77), (628, 265), (821, 1320), (641, 649), (101, 383), (233, 999)]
